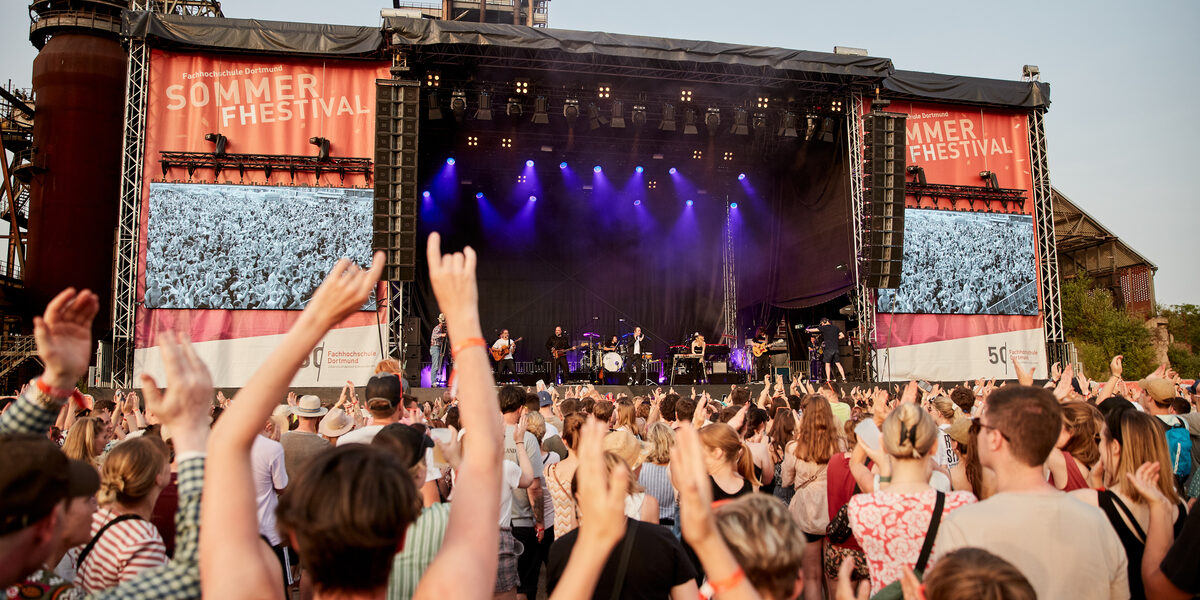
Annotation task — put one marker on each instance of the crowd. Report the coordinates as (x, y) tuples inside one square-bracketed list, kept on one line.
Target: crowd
[(965, 263), (1072, 489), (244, 247)]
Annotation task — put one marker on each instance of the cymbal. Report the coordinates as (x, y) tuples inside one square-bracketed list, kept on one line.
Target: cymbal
[(590, 334)]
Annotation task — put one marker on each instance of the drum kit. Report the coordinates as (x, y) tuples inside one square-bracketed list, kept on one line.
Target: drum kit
[(598, 360)]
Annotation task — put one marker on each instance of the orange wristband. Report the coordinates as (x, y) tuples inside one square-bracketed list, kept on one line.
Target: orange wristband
[(468, 343), (720, 587)]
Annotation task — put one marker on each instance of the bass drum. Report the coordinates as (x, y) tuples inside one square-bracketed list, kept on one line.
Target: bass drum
[(613, 362)]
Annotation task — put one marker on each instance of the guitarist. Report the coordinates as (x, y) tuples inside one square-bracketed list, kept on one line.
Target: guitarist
[(762, 359), (557, 345), (503, 351)]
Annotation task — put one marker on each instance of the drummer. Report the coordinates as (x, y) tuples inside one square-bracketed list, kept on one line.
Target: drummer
[(611, 345)]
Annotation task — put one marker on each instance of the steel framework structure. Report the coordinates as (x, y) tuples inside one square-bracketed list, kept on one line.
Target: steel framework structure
[(864, 308), (729, 260), (266, 163), (1057, 349)]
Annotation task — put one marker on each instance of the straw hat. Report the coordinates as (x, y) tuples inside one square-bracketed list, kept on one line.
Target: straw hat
[(627, 446), (335, 424)]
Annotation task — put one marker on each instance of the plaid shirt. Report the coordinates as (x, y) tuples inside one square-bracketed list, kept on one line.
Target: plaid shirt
[(179, 579)]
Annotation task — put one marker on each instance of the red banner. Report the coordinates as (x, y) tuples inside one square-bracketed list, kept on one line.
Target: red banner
[(267, 105)]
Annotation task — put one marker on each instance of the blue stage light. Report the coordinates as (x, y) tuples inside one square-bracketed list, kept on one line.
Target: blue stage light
[(637, 202), (639, 169), (741, 176), (478, 195), (450, 161), (597, 168), (733, 205), (689, 203), (533, 198), (529, 163), (562, 165), (672, 171)]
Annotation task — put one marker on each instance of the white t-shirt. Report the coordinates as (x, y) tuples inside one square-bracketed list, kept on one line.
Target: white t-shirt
[(509, 484), (266, 466), (1065, 548), (945, 454), (360, 436), (506, 344)]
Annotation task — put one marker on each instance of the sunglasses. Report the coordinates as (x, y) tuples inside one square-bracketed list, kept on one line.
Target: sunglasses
[(977, 425)]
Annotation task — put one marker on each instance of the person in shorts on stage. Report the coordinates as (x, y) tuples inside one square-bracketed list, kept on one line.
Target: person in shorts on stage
[(830, 334)]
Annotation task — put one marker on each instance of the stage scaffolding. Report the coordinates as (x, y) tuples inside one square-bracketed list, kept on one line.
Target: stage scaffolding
[(730, 306), (1057, 347), (864, 307)]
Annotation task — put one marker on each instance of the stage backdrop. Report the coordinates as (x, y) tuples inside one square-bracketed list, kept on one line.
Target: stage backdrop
[(262, 105), (974, 336)]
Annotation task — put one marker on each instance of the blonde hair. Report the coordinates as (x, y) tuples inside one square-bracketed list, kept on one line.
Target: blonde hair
[(131, 471), (765, 540), (1142, 441), (535, 423), (627, 417), (81, 440), (1083, 421), (661, 439), (388, 365), (722, 437), (909, 432), (946, 408), (626, 446)]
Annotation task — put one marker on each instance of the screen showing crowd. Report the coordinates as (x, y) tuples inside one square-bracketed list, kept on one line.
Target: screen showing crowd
[(965, 263), (250, 247)]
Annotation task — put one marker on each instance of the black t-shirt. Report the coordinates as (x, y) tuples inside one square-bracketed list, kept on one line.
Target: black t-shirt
[(829, 336), (656, 564), (1182, 563)]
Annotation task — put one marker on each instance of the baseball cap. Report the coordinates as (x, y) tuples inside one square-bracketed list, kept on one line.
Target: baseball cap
[(35, 476), (1159, 389), (544, 398), (387, 385), (409, 442)]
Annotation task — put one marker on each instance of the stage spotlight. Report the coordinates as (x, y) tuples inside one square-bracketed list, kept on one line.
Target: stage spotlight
[(484, 113), (763, 102), (435, 110), (827, 129), (433, 79), (741, 122), (426, 195), (521, 86), (450, 161), (514, 107), (506, 143), (989, 180), (533, 198), (529, 163), (604, 91), (639, 116), (458, 104), (788, 127), (562, 165), (919, 171), (638, 169), (478, 195), (594, 118), (597, 169), (673, 170), (473, 141), (759, 122), (685, 95), (689, 203), (322, 145), (668, 119), (712, 120), (637, 202), (741, 176), (733, 205), (618, 115), (689, 123), (220, 142), (571, 111), (539, 111)]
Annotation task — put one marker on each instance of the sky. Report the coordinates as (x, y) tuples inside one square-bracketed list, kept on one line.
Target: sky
[(1122, 75)]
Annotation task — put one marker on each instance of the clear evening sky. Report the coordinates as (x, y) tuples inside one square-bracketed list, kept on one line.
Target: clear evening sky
[(1122, 127)]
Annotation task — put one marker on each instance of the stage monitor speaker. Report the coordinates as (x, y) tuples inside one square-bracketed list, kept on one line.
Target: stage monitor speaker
[(412, 371), (720, 366), (412, 331), (884, 143), (725, 378), (394, 224)]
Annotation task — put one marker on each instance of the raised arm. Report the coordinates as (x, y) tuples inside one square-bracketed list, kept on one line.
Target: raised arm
[(232, 559), (471, 534)]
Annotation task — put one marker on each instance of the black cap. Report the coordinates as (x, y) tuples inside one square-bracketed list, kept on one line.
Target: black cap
[(409, 443), (35, 476), (386, 385)]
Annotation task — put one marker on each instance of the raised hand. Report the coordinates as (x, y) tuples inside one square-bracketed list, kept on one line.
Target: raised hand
[(690, 478), (910, 392), (1064, 383), (185, 405), (452, 449), (1023, 377), (64, 338), (345, 289), (1145, 480), (601, 495), (521, 427)]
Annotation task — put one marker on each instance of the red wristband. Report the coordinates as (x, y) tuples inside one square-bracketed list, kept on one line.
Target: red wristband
[(468, 343), (52, 391), (727, 584)]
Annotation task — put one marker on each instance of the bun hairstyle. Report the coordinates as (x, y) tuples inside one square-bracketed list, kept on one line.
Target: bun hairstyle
[(572, 426), (131, 471), (947, 408), (909, 432), (722, 437)]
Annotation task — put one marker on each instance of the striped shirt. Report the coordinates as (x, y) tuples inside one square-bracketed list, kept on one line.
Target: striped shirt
[(421, 544), (125, 549), (656, 479)]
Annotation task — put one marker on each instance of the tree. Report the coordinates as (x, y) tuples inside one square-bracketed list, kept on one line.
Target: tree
[(1100, 331), (1183, 321)]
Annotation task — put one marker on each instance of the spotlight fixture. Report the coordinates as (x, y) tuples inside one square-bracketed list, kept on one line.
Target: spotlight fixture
[(529, 163), (639, 116), (827, 129), (689, 203), (458, 104), (478, 195), (763, 102), (668, 118), (685, 95), (522, 179), (618, 115), (594, 118), (741, 122), (450, 161), (835, 106), (712, 120), (918, 171), (638, 169), (673, 170), (506, 143), (697, 154), (484, 113), (571, 111), (604, 91), (533, 198), (514, 107), (651, 185), (728, 156), (741, 176), (435, 110), (597, 169), (989, 180), (759, 122), (473, 141), (637, 202), (322, 145), (562, 165), (521, 86), (689, 123), (426, 195), (539, 111), (733, 205), (220, 142), (433, 79), (788, 127)]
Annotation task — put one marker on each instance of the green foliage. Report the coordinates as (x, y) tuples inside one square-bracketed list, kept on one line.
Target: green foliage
[(1101, 331), (1183, 321)]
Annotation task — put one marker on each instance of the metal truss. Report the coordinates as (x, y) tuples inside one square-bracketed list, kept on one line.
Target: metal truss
[(397, 304), (729, 308), (267, 163), (970, 193), (1043, 214), (863, 306)]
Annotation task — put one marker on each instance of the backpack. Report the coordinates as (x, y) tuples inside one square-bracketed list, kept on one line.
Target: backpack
[(810, 504), (1179, 447)]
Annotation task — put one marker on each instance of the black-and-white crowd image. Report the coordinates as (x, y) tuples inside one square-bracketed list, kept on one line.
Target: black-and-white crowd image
[(965, 263), (250, 247)]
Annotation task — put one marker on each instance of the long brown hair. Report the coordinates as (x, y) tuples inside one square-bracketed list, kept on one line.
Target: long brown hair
[(1142, 441), (817, 435), (1083, 421), (81, 440), (783, 430), (626, 416), (722, 437)]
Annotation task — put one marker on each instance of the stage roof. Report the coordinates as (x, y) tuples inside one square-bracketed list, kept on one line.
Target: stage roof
[(277, 37)]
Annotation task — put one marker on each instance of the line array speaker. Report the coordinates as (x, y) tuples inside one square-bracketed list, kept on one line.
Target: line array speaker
[(394, 226), (883, 195)]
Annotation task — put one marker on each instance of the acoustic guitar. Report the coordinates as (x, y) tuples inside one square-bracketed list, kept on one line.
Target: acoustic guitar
[(498, 353)]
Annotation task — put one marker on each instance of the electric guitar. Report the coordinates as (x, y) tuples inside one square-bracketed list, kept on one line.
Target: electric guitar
[(498, 353), (563, 352)]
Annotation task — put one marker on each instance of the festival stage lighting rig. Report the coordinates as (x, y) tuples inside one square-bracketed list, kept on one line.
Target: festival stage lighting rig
[(727, 157), (689, 122), (433, 79), (571, 111), (639, 116), (484, 113), (458, 104), (594, 118), (685, 95), (539, 111), (697, 154), (788, 127), (219, 143), (917, 171), (668, 118), (618, 115), (514, 107), (763, 102), (827, 129), (473, 141), (604, 92), (835, 106), (989, 180), (322, 145), (759, 122), (435, 110), (712, 119), (521, 86), (506, 143), (741, 122)]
